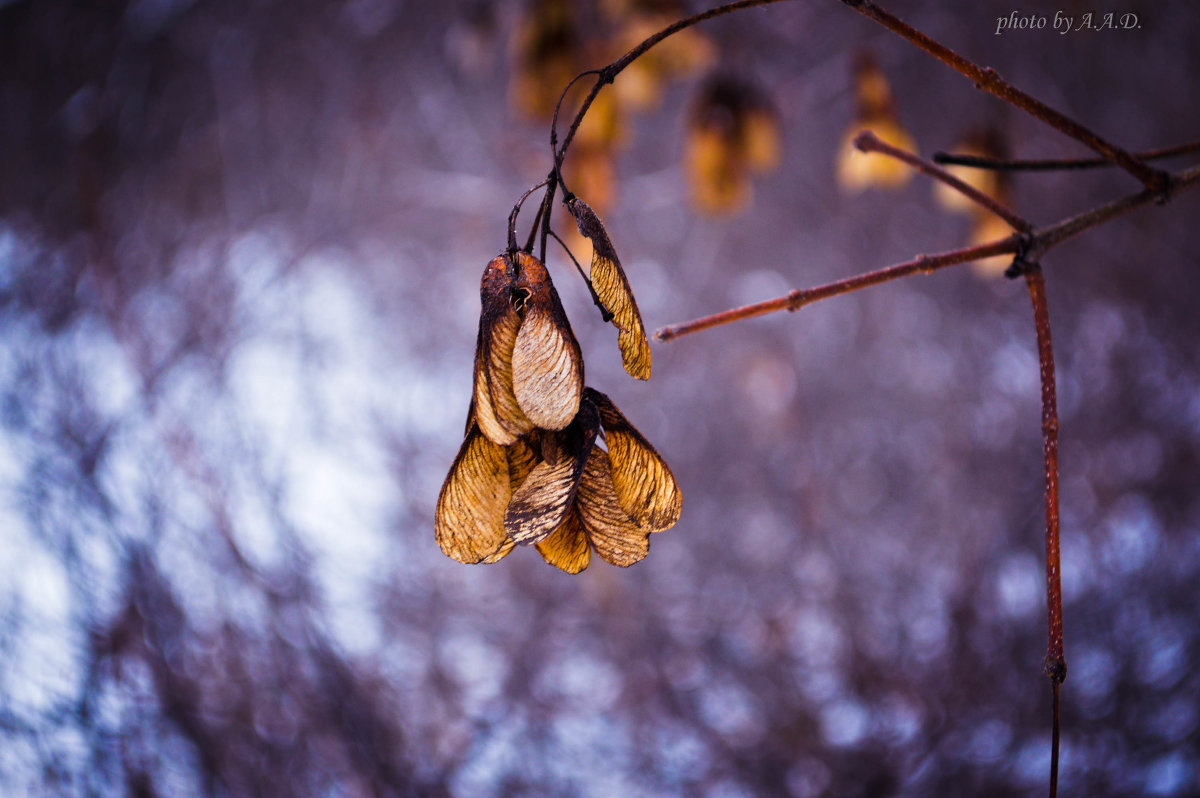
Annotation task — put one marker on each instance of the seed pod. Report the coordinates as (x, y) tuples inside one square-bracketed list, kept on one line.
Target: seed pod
[(612, 289), (541, 503), (469, 522), (499, 416), (644, 484), (567, 546), (528, 367), (616, 538), (547, 366)]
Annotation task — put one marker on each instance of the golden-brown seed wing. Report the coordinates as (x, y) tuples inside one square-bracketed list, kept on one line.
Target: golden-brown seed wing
[(547, 366), (542, 501), (612, 288), (521, 460), (567, 547), (609, 528), (497, 411), (469, 523), (643, 481), (544, 497)]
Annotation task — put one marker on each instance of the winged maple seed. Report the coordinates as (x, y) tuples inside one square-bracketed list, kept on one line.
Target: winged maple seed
[(558, 490), (528, 367), (612, 289)]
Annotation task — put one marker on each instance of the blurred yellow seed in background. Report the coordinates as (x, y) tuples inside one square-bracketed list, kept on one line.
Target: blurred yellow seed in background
[(875, 111), (733, 132)]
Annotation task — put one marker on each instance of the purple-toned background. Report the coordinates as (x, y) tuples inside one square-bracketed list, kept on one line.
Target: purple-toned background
[(240, 246)]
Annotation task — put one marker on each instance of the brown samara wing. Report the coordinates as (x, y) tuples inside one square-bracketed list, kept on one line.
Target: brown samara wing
[(499, 416), (522, 457), (547, 366), (612, 288), (616, 538), (469, 523), (643, 481), (567, 547), (544, 498)]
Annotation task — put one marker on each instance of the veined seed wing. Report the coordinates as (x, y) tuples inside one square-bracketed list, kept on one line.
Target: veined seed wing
[(612, 288)]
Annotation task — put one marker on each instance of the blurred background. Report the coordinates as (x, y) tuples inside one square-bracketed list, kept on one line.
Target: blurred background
[(240, 250)]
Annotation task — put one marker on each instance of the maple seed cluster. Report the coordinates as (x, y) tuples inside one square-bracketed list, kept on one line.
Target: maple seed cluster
[(531, 469)]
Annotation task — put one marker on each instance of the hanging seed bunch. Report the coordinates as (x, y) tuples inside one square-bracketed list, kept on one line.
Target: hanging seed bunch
[(547, 461)]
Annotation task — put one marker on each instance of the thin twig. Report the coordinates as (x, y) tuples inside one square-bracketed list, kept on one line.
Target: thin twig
[(1055, 727), (1056, 663), (1038, 241), (533, 230), (799, 298), (867, 141), (606, 75), (591, 288), (512, 217), (1055, 164), (990, 81)]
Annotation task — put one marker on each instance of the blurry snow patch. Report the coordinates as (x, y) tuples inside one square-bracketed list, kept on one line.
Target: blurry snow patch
[(989, 741), (807, 778), (732, 711), (1131, 535), (314, 387), (1015, 370), (845, 722), (1094, 670), (815, 639), (476, 665), (679, 752), (1032, 761), (1018, 585), (44, 669), (1172, 774), (581, 679)]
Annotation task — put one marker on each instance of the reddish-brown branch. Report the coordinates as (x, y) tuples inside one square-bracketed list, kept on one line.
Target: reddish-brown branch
[(1038, 242), (1055, 164), (990, 81), (867, 141), (1056, 663), (799, 298)]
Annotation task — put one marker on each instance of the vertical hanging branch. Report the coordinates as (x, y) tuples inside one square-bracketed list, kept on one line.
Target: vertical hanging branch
[(1056, 663)]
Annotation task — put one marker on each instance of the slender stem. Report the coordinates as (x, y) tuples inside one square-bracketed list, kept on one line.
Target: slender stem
[(512, 217), (554, 155), (801, 297), (869, 142), (1055, 727), (1055, 164), (1046, 238), (547, 210), (990, 81), (606, 75), (1038, 241), (609, 73), (1056, 663), (533, 230)]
